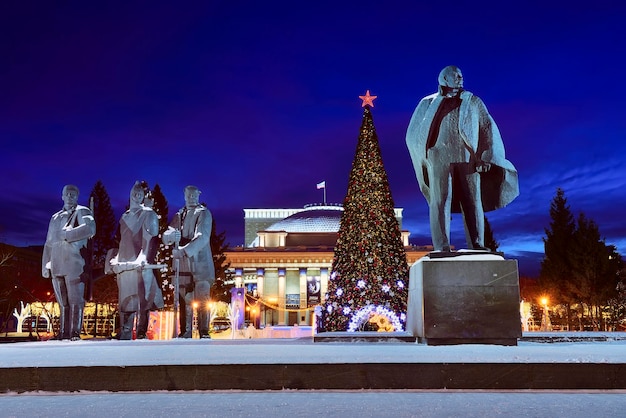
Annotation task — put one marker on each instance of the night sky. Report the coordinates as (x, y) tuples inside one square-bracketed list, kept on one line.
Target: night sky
[(257, 102)]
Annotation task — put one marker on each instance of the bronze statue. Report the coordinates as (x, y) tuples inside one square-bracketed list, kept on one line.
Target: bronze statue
[(66, 260), (190, 233), (459, 160)]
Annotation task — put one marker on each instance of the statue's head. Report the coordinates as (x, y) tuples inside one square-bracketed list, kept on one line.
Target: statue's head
[(192, 196), (70, 196), (450, 78), (137, 193)]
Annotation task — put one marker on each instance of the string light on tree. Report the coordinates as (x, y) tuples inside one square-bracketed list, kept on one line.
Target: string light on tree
[(369, 275)]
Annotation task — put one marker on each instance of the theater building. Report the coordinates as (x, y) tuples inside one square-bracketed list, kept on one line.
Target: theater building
[(284, 266)]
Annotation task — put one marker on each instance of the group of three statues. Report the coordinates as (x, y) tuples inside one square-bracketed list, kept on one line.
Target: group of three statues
[(65, 261), (458, 158)]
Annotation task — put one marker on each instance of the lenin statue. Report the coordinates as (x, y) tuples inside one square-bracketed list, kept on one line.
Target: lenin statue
[(459, 160)]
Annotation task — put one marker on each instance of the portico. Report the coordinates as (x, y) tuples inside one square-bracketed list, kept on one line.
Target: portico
[(284, 285)]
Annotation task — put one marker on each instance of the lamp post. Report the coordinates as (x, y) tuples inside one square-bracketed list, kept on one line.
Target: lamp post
[(194, 322), (546, 325)]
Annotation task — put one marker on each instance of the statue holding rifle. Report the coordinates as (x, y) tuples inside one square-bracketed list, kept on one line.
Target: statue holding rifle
[(191, 229)]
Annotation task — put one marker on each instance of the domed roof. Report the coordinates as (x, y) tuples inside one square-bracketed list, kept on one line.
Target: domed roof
[(311, 219)]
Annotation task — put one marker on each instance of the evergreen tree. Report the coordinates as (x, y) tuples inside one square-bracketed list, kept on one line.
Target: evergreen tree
[(556, 269), (490, 240), (102, 288), (616, 307), (368, 282), (106, 225), (595, 269), (160, 207), (578, 268), (163, 256), (220, 292)]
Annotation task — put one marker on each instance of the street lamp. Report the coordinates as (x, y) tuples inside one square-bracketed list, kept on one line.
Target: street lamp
[(194, 321), (545, 317)]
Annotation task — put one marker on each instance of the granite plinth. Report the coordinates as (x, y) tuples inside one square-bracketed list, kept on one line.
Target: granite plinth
[(471, 299)]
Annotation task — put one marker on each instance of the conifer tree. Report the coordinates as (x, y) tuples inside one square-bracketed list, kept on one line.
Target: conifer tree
[(220, 292), (556, 269), (106, 225), (163, 255), (595, 268), (102, 288), (368, 284), (160, 207)]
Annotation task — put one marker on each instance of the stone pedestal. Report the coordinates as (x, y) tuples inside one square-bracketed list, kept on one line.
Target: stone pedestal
[(469, 299)]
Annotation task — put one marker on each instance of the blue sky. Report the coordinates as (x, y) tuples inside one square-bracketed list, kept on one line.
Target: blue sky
[(257, 102)]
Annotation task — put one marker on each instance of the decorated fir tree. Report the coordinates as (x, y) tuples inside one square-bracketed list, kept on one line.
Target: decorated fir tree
[(367, 290)]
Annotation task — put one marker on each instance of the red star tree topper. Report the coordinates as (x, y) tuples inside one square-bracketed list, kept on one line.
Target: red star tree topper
[(367, 99)]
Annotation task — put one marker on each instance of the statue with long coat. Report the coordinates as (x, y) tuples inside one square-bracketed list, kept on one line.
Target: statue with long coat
[(459, 160)]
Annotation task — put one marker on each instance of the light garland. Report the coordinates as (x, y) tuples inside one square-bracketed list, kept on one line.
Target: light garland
[(364, 314)]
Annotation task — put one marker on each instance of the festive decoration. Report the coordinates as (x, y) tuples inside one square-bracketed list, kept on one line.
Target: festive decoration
[(367, 99), (369, 270), (381, 318)]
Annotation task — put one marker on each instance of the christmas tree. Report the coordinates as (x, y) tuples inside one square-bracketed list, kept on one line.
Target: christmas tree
[(368, 284)]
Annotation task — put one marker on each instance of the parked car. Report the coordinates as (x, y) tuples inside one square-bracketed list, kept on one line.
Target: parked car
[(35, 324)]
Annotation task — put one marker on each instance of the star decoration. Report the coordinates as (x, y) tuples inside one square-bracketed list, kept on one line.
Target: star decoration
[(367, 99)]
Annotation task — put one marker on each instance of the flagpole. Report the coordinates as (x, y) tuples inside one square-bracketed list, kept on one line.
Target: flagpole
[(322, 185)]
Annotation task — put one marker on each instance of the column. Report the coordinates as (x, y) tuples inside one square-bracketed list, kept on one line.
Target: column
[(324, 281), (303, 297), (260, 283), (282, 299), (238, 277)]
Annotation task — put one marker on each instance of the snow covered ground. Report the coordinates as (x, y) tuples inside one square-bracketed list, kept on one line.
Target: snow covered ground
[(301, 350), (364, 403)]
